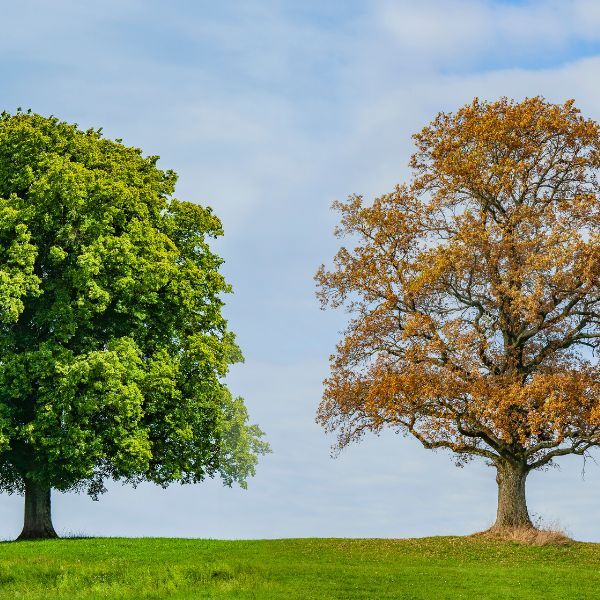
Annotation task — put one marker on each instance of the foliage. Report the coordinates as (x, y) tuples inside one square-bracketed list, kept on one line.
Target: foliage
[(308, 569), (475, 290), (112, 342)]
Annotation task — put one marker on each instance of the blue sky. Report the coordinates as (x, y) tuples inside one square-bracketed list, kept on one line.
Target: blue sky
[(270, 110)]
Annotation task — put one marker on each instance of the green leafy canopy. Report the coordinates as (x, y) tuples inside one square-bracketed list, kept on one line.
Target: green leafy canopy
[(113, 347)]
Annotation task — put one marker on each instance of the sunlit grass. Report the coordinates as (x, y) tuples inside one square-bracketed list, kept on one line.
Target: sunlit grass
[(428, 568)]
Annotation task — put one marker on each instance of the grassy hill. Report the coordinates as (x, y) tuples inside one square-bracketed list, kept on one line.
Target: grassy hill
[(428, 568)]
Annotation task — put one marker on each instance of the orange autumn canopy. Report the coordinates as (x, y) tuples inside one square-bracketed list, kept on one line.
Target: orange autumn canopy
[(475, 290)]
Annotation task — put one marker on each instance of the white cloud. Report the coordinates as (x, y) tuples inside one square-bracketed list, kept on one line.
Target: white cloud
[(472, 32)]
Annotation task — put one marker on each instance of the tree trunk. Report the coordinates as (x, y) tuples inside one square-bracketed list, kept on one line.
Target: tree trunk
[(38, 519), (512, 506)]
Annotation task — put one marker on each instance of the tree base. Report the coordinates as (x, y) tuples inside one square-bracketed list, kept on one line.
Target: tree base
[(37, 535), (528, 534), (37, 524)]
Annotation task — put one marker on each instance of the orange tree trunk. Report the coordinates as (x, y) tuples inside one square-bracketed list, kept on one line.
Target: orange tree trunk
[(512, 505)]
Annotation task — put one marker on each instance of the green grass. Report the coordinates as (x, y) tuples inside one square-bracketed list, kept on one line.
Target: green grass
[(428, 569)]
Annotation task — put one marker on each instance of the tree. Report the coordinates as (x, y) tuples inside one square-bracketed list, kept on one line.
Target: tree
[(113, 347), (475, 295)]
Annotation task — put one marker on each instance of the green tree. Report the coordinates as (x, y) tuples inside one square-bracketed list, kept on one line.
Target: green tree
[(113, 348)]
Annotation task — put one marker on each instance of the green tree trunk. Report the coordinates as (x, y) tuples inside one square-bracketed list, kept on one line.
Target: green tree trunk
[(38, 518), (512, 505)]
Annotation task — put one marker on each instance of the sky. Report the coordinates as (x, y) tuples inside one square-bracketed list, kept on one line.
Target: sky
[(269, 111)]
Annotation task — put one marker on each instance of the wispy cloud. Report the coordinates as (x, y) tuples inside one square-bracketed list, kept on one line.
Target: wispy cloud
[(475, 33)]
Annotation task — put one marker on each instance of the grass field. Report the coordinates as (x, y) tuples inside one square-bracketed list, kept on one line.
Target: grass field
[(428, 569)]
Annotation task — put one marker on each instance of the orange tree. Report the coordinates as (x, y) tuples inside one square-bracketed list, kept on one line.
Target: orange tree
[(475, 296)]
